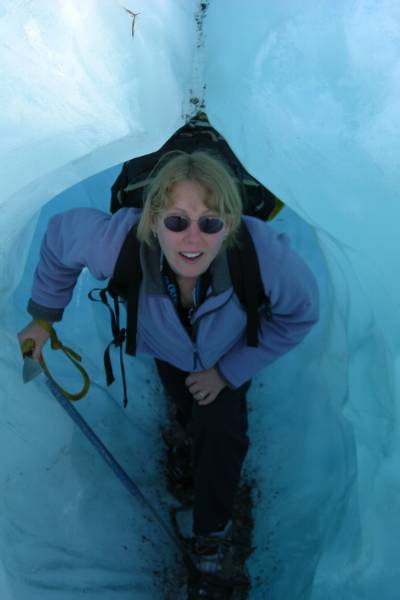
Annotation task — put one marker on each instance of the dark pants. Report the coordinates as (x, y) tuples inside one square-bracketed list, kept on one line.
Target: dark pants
[(220, 443)]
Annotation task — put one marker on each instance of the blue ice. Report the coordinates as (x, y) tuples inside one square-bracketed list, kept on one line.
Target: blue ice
[(307, 95)]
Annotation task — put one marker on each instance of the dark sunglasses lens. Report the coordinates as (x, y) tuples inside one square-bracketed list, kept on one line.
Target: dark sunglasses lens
[(210, 224), (176, 223)]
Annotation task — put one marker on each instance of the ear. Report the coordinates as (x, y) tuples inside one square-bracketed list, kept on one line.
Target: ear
[(228, 228), (154, 225)]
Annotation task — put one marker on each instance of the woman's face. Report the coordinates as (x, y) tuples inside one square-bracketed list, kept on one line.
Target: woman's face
[(189, 252)]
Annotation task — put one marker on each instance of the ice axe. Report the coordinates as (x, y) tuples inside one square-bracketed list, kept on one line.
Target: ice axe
[(31, 370)]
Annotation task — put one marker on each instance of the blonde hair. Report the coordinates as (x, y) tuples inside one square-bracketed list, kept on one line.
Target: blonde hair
[(223, 196)]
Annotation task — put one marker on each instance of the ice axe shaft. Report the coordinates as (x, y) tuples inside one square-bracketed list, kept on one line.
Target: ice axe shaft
[(119, 472)]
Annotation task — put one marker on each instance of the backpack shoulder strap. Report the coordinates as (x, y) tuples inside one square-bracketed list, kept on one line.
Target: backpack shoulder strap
[(125, 283), (247, 283)]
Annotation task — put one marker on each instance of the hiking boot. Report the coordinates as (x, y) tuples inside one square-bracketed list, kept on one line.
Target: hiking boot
[(213, 553), (218, 571)]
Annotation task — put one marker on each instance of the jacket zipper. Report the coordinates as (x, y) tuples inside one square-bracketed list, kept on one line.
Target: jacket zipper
[(196, 321), (196, 355)]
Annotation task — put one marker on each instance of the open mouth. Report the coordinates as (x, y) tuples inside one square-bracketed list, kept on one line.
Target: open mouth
[(191, 256)]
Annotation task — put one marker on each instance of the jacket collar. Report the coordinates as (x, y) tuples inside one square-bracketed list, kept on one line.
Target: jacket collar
[(153, 284)]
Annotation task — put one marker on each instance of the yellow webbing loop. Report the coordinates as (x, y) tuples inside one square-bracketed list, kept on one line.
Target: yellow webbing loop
[(278, 207), (73, 357)]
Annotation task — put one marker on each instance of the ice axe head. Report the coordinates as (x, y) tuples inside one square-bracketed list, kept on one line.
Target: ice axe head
[(31, 368)]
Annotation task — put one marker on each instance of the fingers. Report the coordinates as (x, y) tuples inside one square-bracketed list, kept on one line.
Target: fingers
[(210, 398), (191, 379), (204, 386), (193, 384), (29, 347), (32, 339), (201, 396), (197, 389), (37, 351)]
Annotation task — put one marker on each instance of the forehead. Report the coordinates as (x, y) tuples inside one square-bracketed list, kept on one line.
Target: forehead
[(190, 195)]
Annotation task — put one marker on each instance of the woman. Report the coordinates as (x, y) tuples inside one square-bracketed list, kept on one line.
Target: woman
[(189, 317)]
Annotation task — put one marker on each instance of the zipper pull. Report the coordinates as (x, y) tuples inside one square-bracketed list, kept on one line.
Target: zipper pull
[(195, 359)]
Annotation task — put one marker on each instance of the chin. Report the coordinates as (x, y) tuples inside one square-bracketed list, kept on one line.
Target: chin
[(188, 270), (191, 271)]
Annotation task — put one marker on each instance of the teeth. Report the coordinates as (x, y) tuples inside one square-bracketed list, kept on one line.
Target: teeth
[(191, 254)]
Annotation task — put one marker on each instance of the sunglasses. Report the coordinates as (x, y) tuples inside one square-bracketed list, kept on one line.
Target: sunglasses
[(179, 223)]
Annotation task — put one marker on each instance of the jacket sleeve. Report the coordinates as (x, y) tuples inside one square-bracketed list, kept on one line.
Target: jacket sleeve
[(294, 296), (75, 239)]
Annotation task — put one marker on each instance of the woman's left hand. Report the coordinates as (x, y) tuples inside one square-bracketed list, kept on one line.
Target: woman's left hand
[(205, 385)]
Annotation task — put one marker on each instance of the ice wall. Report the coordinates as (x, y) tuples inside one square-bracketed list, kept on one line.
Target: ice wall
[(79, 94), (313, 112), (306, 93)]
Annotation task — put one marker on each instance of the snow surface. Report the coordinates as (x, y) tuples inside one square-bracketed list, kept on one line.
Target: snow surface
[(307, 95)]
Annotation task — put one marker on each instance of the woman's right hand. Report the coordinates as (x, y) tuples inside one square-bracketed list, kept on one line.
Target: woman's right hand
[(37, 334)]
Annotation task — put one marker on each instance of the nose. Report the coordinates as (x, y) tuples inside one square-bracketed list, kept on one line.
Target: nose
[(193, 232)]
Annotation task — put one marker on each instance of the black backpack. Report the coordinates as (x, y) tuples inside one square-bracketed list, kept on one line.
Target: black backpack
[(244, 269), (198, 134)]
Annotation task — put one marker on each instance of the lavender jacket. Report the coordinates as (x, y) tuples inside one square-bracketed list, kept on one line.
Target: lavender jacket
[(91, 238)]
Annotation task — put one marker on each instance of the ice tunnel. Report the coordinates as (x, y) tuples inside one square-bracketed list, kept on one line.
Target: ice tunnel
[(306, 94)]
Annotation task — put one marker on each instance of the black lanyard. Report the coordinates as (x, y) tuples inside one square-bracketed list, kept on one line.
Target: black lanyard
[(172, 288)]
